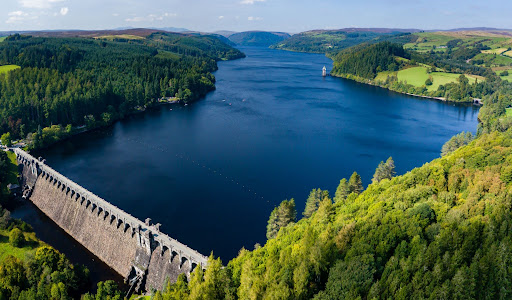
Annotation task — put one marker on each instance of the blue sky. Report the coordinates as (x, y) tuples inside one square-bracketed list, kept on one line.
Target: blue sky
[(238, 15)]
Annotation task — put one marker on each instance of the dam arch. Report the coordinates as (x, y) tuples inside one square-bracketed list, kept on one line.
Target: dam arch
[(135, 249)]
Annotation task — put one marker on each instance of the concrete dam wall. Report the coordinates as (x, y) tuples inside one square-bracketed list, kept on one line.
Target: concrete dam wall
[(137, 250)]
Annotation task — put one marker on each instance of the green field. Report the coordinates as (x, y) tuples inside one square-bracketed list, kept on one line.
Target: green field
[(508, 77), (7, 68), (2, 38), (382, 76), (495, 51), (428, 40), (6, 249), (12, 175), (507, 53), (418, 75), (490, 60), (13, 169)]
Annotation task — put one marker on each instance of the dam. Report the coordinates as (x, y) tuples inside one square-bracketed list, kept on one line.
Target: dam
[(137, 250)]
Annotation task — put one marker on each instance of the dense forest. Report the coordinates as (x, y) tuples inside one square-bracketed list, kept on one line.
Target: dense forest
[(440, 231), (443, 230), (92, 82), (332, 41), (258, 38), (367, 60)]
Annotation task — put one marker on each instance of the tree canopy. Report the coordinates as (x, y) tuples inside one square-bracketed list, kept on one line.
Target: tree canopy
[(385, 170), (280, 217), (81, 81)]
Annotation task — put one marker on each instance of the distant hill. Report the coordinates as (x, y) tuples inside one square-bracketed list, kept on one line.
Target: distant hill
[(258, 38), (172, 29), (140, 32), (332, 41), (225, 33)]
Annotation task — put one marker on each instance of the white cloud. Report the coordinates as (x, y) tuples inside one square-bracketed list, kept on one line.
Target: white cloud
[(19, 16), (135, 19), (115, 15), (151, 18), (221, 17), (38, 3), (64, 11), (251, 2), (254, 18)]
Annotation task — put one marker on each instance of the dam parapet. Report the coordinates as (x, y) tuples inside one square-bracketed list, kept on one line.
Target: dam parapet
[(135, 249)]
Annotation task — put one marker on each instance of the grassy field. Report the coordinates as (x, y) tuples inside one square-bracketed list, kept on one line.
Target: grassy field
[(508, 53), (382, 76), (428, 40), (418, 75), (7, 68), (12, 176), (508, 77), (493, 59), (509, 112), (495, 51), (120, 36), (2, 38), (499, 70), (6, 249), (13, 169)]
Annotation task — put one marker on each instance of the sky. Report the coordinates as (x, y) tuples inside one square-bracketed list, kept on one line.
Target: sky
[(240, 15)]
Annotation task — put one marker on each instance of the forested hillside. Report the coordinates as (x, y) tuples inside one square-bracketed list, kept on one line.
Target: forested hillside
[(258, 38), (92, 82), (366, 61), (332, 41), (443, 230), (432, 74)]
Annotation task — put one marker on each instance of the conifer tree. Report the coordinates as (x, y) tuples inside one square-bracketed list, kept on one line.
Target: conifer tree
[(281, 216), (355, 183), (385, 170), (312, 203), (342, 191)]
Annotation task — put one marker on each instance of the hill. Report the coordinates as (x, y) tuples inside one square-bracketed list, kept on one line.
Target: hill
[(443, 230), (445, 75), (224, 33), (258, 38), (332, 41), (95, 81)]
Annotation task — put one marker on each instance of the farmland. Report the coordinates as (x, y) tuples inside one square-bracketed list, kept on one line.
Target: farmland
[(439, 41), (417, 76)]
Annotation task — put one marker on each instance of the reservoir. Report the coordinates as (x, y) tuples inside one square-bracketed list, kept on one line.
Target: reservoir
[(211, 172)]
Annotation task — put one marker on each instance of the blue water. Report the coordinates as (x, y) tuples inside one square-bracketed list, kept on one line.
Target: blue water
[(212, 172)]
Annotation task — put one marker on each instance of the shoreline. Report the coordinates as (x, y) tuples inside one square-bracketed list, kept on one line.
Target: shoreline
[(83, 128), (475, 102)]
